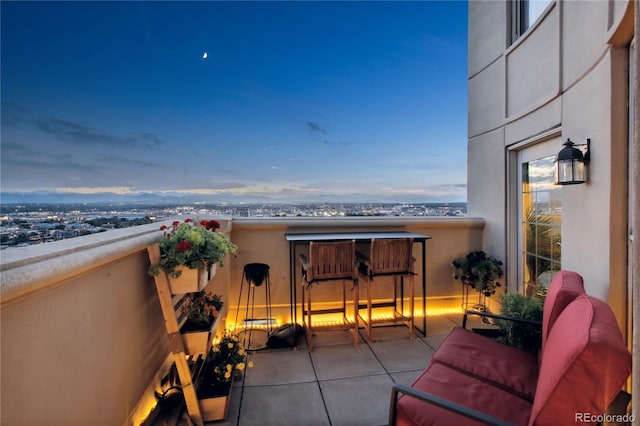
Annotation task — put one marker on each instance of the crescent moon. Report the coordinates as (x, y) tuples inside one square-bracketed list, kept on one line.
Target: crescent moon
[(204, 55)]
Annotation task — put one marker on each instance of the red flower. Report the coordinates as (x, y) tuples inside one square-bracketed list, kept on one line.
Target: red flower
[(210, 224), (183, 246), (187, 220), (163, 227)]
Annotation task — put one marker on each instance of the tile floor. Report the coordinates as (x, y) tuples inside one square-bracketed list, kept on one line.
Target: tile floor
[(336, 384)]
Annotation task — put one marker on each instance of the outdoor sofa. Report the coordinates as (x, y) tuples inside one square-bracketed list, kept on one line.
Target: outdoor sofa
[(472, 379)]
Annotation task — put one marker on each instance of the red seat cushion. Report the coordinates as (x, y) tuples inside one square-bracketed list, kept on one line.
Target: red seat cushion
[(509, 368), (448, 383), (584, 364), (564, 288)]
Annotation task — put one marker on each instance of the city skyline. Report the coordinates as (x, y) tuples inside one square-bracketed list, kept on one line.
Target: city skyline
[(236, 101)]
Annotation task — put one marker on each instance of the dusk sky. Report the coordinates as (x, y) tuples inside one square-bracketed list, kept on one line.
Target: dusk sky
[(313, 101)]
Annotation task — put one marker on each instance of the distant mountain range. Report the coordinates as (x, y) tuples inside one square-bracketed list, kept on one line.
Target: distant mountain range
[(51, 197)]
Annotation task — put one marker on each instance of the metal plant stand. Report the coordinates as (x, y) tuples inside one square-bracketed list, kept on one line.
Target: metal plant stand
[(255, 332), (481, 306)]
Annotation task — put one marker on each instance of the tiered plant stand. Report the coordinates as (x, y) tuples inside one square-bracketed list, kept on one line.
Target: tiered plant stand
[(189, 352)]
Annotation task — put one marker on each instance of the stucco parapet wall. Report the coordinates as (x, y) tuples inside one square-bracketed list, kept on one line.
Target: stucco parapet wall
[(24, 270), (357, 222)]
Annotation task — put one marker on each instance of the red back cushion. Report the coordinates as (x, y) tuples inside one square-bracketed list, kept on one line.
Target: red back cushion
[(584, 365), (564, 287)]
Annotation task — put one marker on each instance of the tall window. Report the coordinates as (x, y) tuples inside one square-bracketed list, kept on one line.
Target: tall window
[(524, 13), (541, 221)]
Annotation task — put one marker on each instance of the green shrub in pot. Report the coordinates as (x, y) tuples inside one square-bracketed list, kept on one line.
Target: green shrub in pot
[(523, 336)]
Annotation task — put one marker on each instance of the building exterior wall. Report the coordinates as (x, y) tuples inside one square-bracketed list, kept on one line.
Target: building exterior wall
[(534, 57), (567, 76), (485, 149), (563, 77)]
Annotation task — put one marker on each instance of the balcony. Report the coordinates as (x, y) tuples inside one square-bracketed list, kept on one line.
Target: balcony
[(83, 337)]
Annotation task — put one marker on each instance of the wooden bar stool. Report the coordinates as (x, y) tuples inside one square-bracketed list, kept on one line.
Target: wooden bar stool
[(329, 261), (388, 258)]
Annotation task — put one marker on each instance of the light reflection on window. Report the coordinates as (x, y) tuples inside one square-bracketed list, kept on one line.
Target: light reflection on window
[(524, 13), (535, 9), (541, 223)]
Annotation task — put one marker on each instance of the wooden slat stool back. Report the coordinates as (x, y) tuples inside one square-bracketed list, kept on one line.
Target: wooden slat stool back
[(389, 258), (329, 261)]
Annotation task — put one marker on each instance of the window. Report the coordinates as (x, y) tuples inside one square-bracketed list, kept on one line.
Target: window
[(541, 220), (524, 13)]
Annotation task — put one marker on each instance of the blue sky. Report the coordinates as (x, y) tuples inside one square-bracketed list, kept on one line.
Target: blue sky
[(324, 101)]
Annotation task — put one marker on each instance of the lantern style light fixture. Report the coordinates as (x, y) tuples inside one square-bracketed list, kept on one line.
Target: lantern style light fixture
[(571, 163)]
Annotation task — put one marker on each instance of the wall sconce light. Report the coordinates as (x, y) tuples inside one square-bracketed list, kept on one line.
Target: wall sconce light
[(571, 163)]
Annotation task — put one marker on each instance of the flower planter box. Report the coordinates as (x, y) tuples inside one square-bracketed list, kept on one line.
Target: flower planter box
[(213, 396), (190, 281), (199, 341), (212, 271), (216, 407)]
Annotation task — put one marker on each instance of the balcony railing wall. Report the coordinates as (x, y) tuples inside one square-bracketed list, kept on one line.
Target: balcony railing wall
[(82, 330), (264, 241), (83, 337)]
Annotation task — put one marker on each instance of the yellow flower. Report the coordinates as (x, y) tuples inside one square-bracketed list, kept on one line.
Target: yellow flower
[(241, 352), (240, 366), (229, 367), (230, 345), (227, 375), (216, 348), (250, 364)]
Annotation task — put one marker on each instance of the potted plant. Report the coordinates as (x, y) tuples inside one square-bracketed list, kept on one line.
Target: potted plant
[(522, 335), (479, 271), (191, 248), (224, 361), (202, 310)]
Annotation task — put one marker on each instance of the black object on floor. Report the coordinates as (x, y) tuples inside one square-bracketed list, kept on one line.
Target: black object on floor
[(286, 336)]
